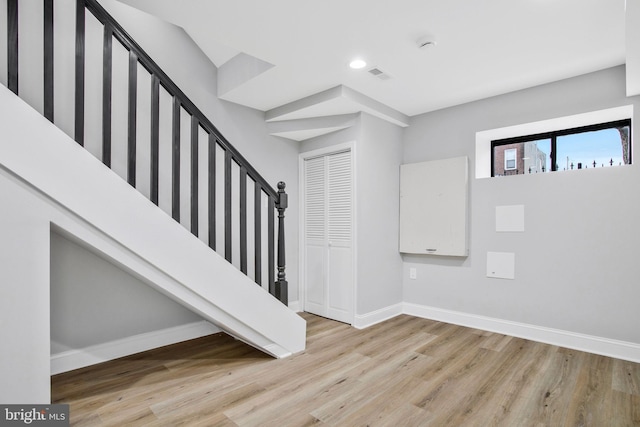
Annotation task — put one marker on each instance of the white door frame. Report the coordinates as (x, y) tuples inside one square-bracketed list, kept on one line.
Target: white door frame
[(346, 146)]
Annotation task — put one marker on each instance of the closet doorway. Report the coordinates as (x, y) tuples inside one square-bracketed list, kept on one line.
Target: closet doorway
[(327, 240)]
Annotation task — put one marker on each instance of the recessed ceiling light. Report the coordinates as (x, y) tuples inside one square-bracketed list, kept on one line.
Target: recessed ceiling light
[(357, 64)]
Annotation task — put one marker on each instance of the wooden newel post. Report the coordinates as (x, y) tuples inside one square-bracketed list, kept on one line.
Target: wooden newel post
[(281, 285)]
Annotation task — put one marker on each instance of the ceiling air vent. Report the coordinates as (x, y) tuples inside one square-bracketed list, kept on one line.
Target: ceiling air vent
[(379, 74)]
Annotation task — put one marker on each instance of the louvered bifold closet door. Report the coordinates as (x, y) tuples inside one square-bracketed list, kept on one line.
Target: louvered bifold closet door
[(328, 236), (339, 251), (315, 235)]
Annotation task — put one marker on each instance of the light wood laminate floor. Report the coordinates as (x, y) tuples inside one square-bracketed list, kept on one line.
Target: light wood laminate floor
[(406, 371)]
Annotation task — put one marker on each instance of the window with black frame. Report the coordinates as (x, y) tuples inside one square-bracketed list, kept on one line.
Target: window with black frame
[(594, 146)]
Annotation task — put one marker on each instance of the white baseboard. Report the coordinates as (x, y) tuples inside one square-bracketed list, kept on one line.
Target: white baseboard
[(365, 320), (588, 343), (295, 306), (75, 359)]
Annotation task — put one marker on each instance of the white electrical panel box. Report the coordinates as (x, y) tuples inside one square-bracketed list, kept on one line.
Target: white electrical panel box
[(434, 207)]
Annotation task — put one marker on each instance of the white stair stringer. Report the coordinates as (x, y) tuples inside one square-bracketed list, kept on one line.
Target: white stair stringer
[(90, 203)]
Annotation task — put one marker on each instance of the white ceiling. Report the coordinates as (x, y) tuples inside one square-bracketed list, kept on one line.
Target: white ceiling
[(484, 47)]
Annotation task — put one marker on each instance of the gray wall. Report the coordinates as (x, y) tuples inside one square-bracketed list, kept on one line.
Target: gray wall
[(379, 155), (576, 263), (350, 134), (94, 301)]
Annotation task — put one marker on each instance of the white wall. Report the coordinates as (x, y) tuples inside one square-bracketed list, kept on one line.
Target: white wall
[(576, 263), (632, 29)]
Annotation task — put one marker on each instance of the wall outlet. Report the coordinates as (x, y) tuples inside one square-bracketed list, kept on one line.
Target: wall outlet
[(413, 274)]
